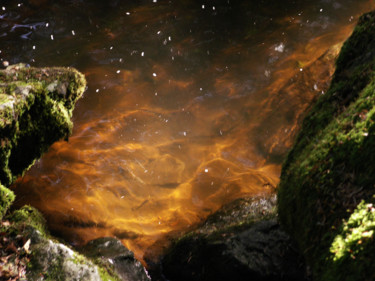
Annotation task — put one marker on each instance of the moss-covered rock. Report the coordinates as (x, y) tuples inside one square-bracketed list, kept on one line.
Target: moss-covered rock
[(6, 199), (28, 252), (331, 169), (29, 216), (35, 109), (36, 106)]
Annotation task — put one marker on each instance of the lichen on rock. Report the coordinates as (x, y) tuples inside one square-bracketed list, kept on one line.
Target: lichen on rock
[(330, 169), (36, 105)]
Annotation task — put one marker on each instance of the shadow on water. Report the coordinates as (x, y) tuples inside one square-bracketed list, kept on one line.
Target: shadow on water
[(189, 105)]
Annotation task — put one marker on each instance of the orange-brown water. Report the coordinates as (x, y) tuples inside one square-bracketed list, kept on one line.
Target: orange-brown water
[(187, 108)]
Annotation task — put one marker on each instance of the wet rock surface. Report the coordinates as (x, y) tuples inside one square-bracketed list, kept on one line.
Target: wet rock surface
[(113, 254), (242, 241)]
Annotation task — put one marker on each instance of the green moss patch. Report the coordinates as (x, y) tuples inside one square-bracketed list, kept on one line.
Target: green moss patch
[(36, 105), (29, 216), (6, 199), (331, 167)]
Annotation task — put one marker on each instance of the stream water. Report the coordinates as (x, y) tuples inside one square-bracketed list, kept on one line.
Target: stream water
[(190, 104)]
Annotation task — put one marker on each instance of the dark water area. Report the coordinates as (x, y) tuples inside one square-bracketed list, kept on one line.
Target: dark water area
[(190, 104)]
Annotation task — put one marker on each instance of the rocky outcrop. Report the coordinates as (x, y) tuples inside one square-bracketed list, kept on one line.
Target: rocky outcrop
[(36, 107), (242, 241), (30, 253), (326, 193)]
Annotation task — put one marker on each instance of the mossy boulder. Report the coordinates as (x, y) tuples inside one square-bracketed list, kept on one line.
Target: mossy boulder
[(30, 253), (242, 241), (326, 191), (36, 105), (6, 199)]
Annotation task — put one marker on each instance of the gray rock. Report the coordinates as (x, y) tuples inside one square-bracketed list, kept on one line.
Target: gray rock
[(250, 246), (113, 254), (51, 260)]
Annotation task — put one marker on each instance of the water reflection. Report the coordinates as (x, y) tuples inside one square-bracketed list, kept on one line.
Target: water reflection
[(188, 106)]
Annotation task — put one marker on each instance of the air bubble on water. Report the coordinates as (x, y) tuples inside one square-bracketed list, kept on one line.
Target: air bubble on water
[(154, 74), (52, 37), (213, 8), (111, 48), (321, 10), (34, 47), (3, 8), (301, 69), (158, 32), (185, 134), (97, 90), (203, 6), (73, 33), (127, 13), (280, 47), (118, 71), (206, 170), (156, 94), (154, 1), (169, 38), (221, 133), (47, 24), (142, 54)]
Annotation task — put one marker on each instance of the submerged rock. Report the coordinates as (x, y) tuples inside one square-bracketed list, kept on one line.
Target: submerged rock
[(326, 193), (242, 241), (111, 253), (36, 105)]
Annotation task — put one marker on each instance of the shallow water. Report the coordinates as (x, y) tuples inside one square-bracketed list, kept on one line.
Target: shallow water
[(189, 105)]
